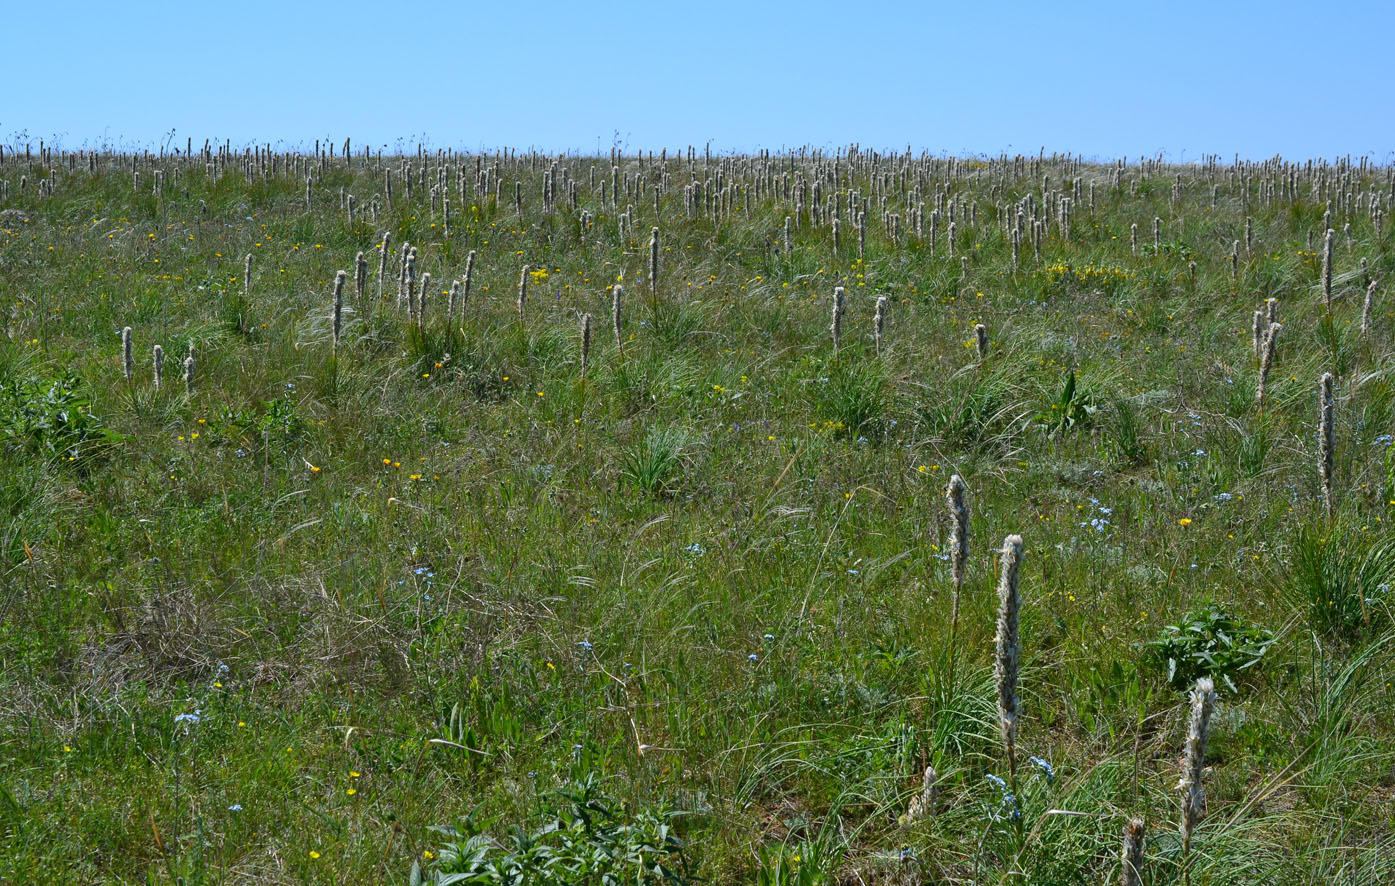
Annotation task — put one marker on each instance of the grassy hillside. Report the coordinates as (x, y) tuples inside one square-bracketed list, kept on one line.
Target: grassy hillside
[(274, 623)]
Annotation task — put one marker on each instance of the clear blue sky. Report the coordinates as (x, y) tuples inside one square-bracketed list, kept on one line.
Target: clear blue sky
[(1102, 78)]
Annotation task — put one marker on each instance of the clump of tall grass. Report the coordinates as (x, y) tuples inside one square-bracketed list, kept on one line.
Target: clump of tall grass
[(652, 463)]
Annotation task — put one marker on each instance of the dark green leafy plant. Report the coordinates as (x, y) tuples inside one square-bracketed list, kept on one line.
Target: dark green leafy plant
[(586, 842), (1073, 408), (52, 418), (1210, 642)]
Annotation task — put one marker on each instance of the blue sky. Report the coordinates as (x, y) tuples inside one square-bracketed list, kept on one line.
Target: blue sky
[(1101, 79)]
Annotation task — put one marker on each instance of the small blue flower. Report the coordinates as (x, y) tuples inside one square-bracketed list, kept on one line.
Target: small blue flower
[(236, 807), (753, 657), (770, 636), (996, 781), (585, 645), (195, 717), (1045, 767)]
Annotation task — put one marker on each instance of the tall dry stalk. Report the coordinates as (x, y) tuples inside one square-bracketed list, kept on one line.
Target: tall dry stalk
[(339, 279), (383, 262), (1203, 704), (1131, 856), (1008, 651), (836, 327), (1328, 259), (617, 298), (958, 559), (1266, 362), (467, 283), (1327, 403), (585, 342), (879, 323), (128, 354)]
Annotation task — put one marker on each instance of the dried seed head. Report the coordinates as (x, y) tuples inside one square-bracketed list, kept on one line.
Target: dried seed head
[(585, 342), (879, 323), (1008, 651), (836, 328), (1366, 308), (1203, 704), (158, 361), (958, 528), (1132, 854), (923, 804), (523, 289), (1266, 362), (339, 280), (1327, 403), (1328, 259), (383, 261), (469, 281), (654, 261), (981, 338), (128, 356), (617, 297)]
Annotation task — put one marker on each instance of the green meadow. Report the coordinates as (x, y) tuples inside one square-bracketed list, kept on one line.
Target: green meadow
[(446, 590)]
